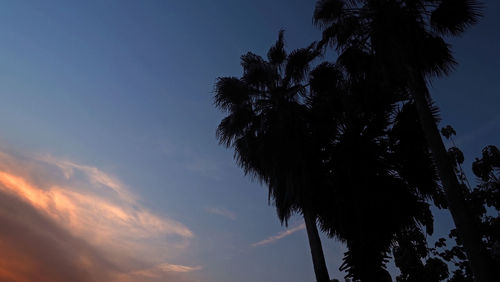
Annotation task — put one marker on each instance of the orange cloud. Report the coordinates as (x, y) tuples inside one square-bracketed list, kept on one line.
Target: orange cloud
[(34, 248), (52, 227), (94, 175), (160, 270)]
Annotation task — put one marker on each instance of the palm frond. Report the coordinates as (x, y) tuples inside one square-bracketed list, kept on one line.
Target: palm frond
[(357, 62), (298, 63), (411, 154), (435, 111), (435, 56), (277, 54), (230, 91), (234, 125), (455, 16), (326, 77), (327, 11), (258, 73), (344, 32)]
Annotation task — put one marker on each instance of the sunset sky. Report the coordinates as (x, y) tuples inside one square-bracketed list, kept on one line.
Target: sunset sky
[(109, 165)]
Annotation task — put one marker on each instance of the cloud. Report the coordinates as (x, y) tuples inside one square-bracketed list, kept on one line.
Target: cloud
[(222, 212), (63, 221), (95, 176), (279, 236), (159, 270), (34, 248), (205, 167)]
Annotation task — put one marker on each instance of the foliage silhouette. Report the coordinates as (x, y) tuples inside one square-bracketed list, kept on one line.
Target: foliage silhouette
[(406, 41), (483, 201), (377, 171), (332, 149), (267, 126), (348, 143), (418, 262)]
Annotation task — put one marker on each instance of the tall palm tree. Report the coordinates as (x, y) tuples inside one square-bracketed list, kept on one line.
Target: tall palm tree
[(406, 39), (267, 126), (369, 194), (323, 150)]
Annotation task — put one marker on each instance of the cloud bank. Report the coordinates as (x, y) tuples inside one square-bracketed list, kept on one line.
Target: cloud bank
[(63, 221)]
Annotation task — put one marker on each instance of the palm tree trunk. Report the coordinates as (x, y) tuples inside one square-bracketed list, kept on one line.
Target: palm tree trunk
[(318, 257), (480, 261)]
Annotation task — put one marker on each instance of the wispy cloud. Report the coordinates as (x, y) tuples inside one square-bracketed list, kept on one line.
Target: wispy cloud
[(64, 221), (280, 235), (161, 272), (221, 212), (205, 167), (158, 270), (95, 176)]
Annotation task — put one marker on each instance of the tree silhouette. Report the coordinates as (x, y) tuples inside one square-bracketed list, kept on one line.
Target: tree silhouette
[(418, 262), (483, 201), (268, 129), (332, 149), (405, 37), (377, 173)]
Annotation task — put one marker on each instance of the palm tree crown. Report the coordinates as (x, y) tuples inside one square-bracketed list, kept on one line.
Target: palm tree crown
[(266, 123), (267, 126)]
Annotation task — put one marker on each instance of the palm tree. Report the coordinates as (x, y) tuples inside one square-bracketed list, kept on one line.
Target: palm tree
[(323, 149), (267, 126), (369, 194), (405, 38)]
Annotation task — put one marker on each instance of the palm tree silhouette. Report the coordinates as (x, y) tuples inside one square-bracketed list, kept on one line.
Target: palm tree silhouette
[(405, 38), (324, 150), (267, 126), (377, 174)]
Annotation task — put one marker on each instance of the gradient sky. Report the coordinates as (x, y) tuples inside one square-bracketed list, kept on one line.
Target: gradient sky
[(109, 164)]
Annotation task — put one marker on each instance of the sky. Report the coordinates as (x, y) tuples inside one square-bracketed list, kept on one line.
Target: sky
[(109, 165)]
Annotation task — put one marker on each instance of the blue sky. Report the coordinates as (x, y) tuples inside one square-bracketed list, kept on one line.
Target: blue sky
[(125, 88)]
